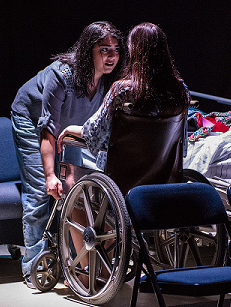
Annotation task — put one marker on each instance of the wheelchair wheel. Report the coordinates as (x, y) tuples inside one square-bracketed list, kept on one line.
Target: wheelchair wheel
[(45, 271), (196, 245), (104, 232)]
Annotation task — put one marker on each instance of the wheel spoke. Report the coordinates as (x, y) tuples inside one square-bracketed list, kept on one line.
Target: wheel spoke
[(195, 251), (77, 226), (87, 204), (104, 257), (78, 258), (111, 234), (44, 263), (203, 235), (92, 271), (51, 277), (183, 254), (111, 247), (43, 279), (168, 241), (101, 214)]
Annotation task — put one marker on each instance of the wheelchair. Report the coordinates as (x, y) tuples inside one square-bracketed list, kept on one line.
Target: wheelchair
[(105, 232), (108, 240)]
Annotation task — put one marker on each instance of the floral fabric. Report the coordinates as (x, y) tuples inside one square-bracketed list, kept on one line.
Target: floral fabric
[(212, 122)]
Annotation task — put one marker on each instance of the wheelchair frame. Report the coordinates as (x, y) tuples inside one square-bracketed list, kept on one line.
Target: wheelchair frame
[(107, 238)]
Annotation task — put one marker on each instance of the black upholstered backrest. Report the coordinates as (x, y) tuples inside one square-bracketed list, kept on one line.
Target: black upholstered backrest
[(165, 206), (145, 150)]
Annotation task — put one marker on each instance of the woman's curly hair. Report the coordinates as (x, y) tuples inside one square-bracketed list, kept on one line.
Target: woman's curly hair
[(80, 57)]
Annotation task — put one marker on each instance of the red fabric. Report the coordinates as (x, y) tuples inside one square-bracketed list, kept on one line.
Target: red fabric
[(220, 127), (211, 119)]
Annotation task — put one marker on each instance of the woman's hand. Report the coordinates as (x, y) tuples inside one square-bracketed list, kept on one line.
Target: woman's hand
[(54, 186), (73, 130), (47, 149)]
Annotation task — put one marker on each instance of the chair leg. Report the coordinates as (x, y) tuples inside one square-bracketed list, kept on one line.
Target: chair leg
[(152, 275), (136, 283), (156, 288), (144, 258), (221, 300)]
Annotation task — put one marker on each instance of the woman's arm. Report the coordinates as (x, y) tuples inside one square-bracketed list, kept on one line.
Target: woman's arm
[(47, 148), (96, 130), (73, 130)]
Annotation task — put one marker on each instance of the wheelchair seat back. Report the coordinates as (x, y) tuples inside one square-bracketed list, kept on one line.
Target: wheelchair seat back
[(145, 150)]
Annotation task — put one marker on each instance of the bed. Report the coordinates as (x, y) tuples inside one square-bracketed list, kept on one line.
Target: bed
[(209, 152)]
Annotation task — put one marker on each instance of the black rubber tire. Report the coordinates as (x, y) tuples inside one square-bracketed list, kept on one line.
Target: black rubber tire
[(194, 176)]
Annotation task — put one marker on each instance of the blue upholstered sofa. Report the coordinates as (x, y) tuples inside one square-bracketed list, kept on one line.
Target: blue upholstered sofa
[(10, 187)]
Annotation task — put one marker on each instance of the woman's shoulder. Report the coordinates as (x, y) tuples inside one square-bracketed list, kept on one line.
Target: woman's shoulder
[(122, 84), (66, 72), (120, 87), (123, 99)]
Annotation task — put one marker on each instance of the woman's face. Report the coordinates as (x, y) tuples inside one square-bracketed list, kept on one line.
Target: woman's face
[(106, 56)]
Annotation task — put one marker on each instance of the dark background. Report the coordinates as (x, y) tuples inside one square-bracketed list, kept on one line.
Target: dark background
[(199, 36)]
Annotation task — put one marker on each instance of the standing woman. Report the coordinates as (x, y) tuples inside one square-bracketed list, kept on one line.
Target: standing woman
[(68, 91)]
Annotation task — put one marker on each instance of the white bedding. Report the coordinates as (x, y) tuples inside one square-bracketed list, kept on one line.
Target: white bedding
[(211, 156)]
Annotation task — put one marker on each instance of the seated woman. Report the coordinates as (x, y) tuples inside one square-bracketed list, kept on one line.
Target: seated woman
[(151, 87)]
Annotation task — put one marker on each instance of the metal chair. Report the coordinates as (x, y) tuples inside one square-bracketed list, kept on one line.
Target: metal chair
[(175, 206)]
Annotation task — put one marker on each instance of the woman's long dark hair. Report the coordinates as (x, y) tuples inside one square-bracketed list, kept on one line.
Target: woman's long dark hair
[(153, 78), (80, 58)]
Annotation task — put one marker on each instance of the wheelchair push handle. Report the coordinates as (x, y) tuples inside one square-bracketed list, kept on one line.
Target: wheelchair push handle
[(74, 140)]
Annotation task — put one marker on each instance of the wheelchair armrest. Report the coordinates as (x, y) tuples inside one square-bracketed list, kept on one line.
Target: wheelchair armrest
[(74, 140)]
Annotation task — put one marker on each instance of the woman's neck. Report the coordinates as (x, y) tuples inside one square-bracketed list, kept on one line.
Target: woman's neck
[(93, 90), (93, 87)]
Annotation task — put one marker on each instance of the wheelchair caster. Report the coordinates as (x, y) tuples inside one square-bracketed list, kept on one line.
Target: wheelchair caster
[(45, 271), (14, 251)]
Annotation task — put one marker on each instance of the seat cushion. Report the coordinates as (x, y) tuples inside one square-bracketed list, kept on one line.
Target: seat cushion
[(10, 200), (195, 281)]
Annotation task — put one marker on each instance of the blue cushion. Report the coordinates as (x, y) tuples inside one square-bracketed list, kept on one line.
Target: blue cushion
[(8, 161), (164, 206), (196, 276), (196, 282), (10, 200)]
